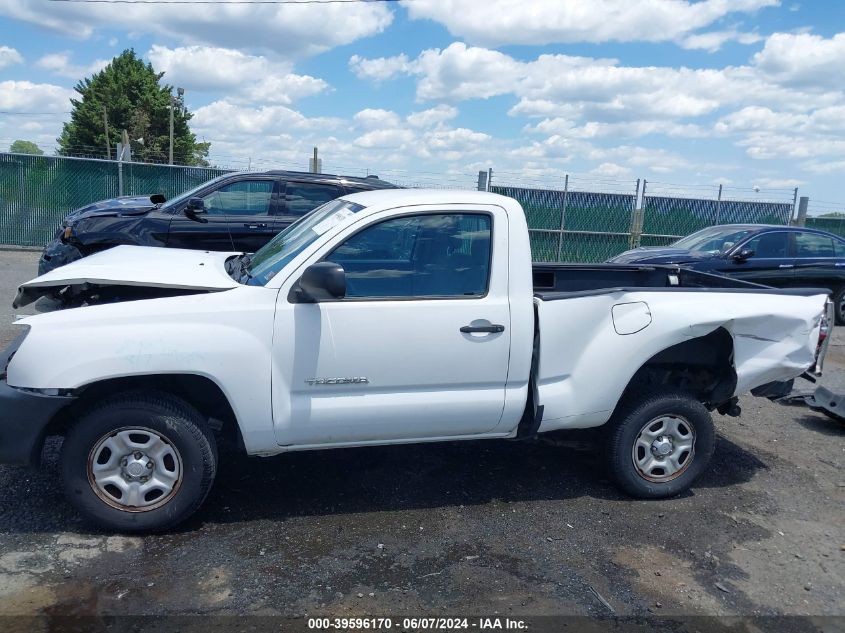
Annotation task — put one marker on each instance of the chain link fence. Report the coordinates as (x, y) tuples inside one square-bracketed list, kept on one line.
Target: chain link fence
[(574, 226), (37, 192), (583, 226), (579, 221), (827, 216)]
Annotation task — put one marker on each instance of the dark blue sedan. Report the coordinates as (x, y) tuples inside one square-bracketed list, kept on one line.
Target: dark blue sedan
[(780, 256)]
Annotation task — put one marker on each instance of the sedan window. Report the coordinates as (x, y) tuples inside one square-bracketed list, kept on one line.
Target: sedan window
[(305, 197), (769, 245), (717, 239), (246, 197), (813, 245)]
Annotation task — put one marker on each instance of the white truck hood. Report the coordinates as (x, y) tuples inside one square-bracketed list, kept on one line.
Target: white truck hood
[(138, 266)]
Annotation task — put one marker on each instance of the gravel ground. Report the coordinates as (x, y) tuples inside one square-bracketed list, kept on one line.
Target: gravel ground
[(473, 527)]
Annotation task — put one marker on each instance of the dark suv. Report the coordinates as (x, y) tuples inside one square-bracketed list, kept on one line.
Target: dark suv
[(235, 212)]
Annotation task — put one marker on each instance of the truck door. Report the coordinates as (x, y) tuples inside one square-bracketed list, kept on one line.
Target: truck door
[(419, 347)]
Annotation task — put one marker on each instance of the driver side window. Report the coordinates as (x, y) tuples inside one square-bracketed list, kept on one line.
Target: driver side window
[(246, 197), (769, 245), (431, 255)]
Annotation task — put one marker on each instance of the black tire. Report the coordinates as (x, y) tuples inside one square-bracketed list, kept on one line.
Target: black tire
[(179, 428), (839, 313), (631, 418)]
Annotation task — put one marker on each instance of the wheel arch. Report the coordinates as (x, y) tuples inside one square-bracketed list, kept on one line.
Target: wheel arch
[(201, 392), (702, 366)]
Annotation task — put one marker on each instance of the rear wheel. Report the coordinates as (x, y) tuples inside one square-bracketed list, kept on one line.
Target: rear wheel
[(660, 444), (139, 462)]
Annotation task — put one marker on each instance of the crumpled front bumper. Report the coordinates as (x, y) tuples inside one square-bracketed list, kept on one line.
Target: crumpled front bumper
[(57, 253), (24, 416)]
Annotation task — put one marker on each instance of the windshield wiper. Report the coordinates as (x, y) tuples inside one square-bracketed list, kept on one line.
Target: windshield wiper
[(243, 268), (237, 267)]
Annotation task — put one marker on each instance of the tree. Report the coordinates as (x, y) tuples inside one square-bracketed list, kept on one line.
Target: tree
[(133, 98), (25, 147)]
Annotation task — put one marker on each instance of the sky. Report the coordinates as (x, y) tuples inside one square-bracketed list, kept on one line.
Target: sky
[(687, 94)]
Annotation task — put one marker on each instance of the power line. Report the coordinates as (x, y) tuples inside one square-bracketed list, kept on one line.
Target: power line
[(226, 1), (30, 113)]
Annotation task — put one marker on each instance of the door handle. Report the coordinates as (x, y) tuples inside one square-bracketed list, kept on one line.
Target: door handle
[(490, 329), (785, 266), (256, 226)]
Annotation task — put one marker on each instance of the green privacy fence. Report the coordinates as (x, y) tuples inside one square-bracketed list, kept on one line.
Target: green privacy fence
[(832, 225), (574, 226), (37, 192), (578, 226)]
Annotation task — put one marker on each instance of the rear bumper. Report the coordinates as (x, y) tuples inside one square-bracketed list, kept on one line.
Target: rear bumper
[(24, 417)]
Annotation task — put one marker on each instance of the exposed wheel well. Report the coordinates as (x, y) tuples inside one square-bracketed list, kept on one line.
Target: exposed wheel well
[(201, 392), (702, 366)]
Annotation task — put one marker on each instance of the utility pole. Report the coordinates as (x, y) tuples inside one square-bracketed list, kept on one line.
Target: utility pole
[(803, 203), (719, 204), (315, 165), (180, 92), (106, 126), (170, 153)]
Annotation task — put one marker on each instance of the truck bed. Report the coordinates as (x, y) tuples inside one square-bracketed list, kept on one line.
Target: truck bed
[(562, 281)]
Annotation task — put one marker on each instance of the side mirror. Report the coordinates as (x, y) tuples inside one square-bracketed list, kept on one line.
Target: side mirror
[(194, 209), (744, 254), (325, 281)]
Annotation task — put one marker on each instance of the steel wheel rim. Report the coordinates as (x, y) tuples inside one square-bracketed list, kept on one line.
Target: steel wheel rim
[(664, 448), (135, 469)]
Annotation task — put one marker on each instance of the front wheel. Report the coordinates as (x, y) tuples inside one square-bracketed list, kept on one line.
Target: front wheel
[(139, 462), (660, 444)]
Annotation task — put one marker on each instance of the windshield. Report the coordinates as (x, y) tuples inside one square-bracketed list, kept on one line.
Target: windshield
[(296, 238), (192, 192), (714, 240)]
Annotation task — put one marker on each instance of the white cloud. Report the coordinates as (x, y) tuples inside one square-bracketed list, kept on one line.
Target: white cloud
[(25, 96), (42, 109), (827, 167), (499, 22), (380, 68), (777, 183), (769, 134), (591, 89), (249, 78), (9, 56), (433, 116), (582, 101), (804, 59), (627, 129), (611, 170), (714, 40), (292, 30), (660, 161), (768, 145), (385, 139), (373, 119), (224, 119), (60, 64)]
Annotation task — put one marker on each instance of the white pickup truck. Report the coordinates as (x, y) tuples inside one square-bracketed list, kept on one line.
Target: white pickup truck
[(384, 317)]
